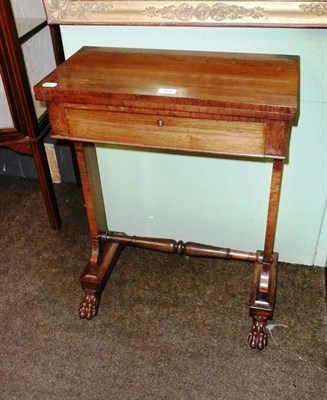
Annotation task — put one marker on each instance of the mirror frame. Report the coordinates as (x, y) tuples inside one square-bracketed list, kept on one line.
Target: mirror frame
[(271, 13)]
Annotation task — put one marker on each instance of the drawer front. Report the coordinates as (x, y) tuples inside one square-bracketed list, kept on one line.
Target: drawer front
[(165, 132)]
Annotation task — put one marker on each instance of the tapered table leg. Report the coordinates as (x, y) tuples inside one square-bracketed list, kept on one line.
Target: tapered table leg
[(94, 278), (103, 255), (263, 290)]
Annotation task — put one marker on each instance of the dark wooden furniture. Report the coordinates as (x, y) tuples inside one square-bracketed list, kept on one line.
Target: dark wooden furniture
[(220, 104), (28, 131)]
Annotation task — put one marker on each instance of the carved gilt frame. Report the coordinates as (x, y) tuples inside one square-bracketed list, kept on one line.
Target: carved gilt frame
[(274, 13)]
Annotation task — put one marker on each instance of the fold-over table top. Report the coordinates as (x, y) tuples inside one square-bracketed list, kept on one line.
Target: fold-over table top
[(249, 85)]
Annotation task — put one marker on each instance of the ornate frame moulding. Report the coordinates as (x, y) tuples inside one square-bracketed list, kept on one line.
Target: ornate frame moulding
[(287, 13)]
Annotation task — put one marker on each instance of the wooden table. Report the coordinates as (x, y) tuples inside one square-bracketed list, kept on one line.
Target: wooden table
[(222, 104)]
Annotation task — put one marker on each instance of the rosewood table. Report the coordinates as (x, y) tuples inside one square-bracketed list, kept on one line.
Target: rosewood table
[(220, 104)]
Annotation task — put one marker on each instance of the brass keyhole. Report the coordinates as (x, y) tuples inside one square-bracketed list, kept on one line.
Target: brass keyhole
[(160, 123)]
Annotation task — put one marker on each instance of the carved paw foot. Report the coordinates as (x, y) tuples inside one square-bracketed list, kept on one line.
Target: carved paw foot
[(89, 306), (258, 335)]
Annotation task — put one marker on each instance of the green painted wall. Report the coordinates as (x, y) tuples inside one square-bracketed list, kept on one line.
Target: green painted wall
[(223, 202)]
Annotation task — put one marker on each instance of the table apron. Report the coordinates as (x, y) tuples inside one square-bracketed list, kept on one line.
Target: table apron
[(266, 139)]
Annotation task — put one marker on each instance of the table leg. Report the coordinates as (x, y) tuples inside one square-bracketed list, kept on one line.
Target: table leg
[(103, 255), (263, 290)]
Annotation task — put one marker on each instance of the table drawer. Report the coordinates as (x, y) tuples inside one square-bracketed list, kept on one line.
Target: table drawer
[(166, 132)]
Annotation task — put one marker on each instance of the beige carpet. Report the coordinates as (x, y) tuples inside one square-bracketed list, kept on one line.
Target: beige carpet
[(168, 327)]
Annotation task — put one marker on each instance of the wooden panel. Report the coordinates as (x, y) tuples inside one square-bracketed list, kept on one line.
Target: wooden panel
[(277, 137), (154, 131)]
